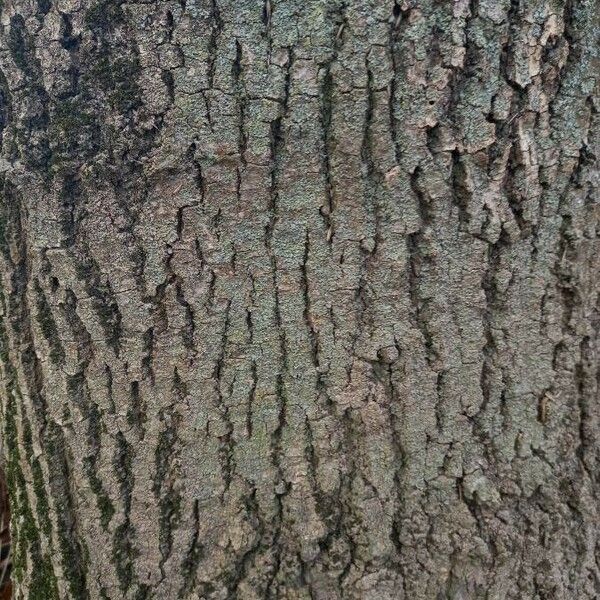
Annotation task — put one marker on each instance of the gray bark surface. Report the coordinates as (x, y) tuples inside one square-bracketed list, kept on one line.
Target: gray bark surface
[(300, 298)]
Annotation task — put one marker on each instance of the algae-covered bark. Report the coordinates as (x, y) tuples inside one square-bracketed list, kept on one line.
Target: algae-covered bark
[(300, 298)]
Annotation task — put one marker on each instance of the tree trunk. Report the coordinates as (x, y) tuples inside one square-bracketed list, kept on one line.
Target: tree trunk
[(300, 298)]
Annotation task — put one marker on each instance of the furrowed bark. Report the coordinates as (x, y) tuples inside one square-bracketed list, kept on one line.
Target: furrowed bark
[(300, 298)]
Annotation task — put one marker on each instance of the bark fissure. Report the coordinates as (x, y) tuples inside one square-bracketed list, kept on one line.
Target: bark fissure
[(299, 299)]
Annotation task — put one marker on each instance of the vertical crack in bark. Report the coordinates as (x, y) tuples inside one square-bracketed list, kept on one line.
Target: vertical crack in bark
[(169, 499), (226, 455), (194, 555), (123, 553), (418, 260), (213, 44)]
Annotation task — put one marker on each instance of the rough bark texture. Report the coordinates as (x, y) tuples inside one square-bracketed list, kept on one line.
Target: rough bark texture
[(300, 298)]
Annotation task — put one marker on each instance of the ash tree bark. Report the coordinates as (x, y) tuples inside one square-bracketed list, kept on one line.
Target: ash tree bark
[(300, 298)]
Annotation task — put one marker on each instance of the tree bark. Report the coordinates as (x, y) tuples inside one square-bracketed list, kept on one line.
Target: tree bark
[(300, 298)]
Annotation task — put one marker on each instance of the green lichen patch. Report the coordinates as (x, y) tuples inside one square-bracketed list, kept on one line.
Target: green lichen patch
[(103, 16), (47, 325), (43, 584)]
